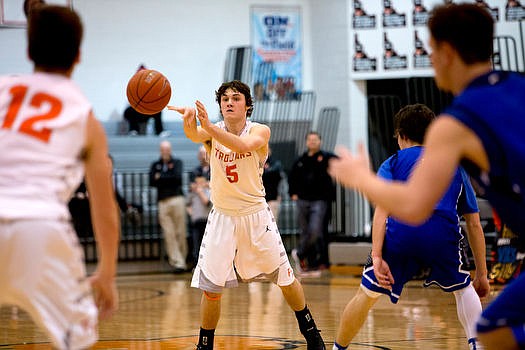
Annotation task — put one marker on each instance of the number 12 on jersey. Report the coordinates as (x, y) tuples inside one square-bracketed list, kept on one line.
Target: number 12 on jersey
[(37, 100)]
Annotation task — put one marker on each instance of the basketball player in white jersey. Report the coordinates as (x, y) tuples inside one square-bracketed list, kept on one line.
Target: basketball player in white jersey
[(49, 138), (241, 238)]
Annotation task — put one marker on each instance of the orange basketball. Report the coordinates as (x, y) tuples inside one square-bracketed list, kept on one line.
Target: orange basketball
[(148, 91)]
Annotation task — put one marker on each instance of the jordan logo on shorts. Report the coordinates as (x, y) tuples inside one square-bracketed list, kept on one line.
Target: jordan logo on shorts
[(267, 228)]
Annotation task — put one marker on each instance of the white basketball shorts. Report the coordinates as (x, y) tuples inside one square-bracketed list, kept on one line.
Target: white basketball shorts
[(42, 271), (248, 247)]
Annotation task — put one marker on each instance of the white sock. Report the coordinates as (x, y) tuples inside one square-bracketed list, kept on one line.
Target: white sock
[(469, 310)]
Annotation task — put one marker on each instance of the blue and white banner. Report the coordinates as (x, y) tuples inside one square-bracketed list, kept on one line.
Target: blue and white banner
[(276, 37)]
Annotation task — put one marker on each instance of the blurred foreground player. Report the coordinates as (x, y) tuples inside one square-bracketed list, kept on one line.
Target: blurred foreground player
[(31, 5), (483, 129), (49, 133)]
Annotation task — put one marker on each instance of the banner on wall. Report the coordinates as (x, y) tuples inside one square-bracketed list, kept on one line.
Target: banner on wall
[(276, 37)]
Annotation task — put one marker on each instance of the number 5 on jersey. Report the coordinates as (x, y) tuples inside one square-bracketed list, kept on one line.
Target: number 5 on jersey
[(231, 173)]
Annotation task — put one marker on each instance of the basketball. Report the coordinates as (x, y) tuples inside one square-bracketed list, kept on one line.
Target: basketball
[(148, 91)]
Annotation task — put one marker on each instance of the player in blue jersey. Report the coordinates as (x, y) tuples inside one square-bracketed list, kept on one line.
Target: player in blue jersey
[(483, 129), (400, 251)]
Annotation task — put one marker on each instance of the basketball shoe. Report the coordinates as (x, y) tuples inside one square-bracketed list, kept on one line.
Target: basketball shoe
[(314, 341)]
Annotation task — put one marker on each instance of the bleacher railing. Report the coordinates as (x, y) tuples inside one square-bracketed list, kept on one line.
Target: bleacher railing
[(141, 235)]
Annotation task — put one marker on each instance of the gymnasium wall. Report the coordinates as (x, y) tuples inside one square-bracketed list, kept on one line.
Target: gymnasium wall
[(186, 40)]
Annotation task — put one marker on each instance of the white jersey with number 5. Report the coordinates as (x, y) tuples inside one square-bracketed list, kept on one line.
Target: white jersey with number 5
[(42, 133), (236, 178)]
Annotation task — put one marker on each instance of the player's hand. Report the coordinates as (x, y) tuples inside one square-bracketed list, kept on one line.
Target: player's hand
[(186, 112), (202, 115), (349, 168), (481, 285), (188, 116), (105, 294), (382, 272)]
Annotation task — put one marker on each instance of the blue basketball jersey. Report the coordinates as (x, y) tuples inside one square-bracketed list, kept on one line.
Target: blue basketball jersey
[(493, 106), (435, 244)]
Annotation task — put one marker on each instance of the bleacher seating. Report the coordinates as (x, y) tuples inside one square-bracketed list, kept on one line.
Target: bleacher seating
[(133, 155), (136, 153)]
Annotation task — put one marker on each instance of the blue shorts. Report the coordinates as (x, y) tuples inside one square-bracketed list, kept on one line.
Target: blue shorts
[(507, 310), (435, 245)]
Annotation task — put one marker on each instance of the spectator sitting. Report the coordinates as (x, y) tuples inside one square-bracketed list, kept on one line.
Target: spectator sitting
[(203, 169), (138, 122)]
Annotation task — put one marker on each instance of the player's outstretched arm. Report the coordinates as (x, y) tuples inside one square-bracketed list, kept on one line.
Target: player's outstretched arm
[(413, 201), (257, 139), (105, 217), (397, 198), (350, 169), (189, 118), (476, 239)]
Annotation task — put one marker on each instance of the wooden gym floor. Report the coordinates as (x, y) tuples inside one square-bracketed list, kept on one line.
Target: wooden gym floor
[(161, 311)]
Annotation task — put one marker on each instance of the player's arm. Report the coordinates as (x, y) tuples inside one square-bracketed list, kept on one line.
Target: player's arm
[(378, 231), (105, 216), (255, 140), (476, 239), (467, 206), (447, 141), (189, 122), (381, 269)]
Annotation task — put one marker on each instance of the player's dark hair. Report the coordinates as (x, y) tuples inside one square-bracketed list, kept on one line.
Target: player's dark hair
[(240, 87), (468, 28), (54, 35), (412, 121), (30, 5)]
